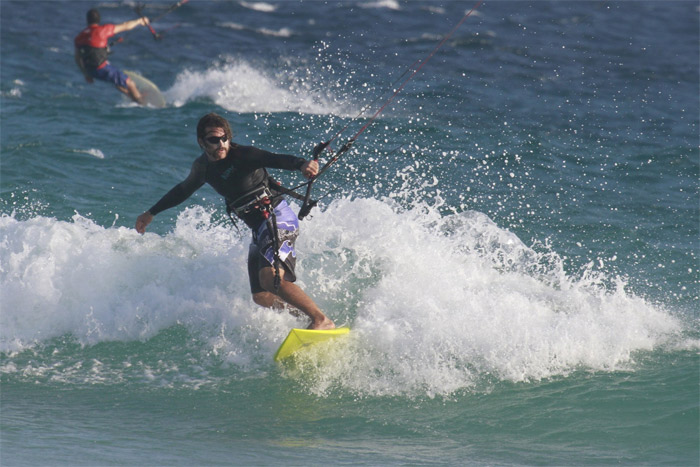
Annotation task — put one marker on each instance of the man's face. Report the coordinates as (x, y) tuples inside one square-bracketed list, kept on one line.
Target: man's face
[(215, 143)]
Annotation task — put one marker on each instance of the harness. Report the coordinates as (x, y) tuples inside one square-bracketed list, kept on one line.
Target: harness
[(93, 45), (93, 57), (250, 201), (260, 201)]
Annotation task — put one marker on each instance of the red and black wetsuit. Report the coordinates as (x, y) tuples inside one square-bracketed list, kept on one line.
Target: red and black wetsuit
[(92, 44)]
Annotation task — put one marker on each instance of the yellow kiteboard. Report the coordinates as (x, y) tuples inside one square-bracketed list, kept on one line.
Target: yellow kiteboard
[(152, 96), (300, 338)]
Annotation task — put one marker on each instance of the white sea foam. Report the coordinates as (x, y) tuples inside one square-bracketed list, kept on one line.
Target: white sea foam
[(259, 6), (388, 4), (436, 303), (282, 32), (16, 91), (93, 152), (240, 86)]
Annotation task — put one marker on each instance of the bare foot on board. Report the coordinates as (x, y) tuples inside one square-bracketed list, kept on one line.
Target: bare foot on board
[(322, 325)]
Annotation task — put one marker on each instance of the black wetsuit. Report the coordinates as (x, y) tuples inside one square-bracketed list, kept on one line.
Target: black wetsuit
[(239, 174)]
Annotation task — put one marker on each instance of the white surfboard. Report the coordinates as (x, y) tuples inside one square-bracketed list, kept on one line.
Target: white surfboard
[(152, 96)]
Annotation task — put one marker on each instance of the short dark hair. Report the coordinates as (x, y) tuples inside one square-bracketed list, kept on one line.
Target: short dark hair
[(212, 120), (93, 16)]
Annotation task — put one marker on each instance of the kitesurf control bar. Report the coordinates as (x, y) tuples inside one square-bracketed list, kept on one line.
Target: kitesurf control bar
[(139, 11), (308, 202)]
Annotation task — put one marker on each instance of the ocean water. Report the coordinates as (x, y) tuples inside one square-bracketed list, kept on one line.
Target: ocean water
[(513, 240)]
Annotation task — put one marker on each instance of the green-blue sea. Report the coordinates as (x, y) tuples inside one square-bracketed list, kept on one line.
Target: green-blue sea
[(513, 240)]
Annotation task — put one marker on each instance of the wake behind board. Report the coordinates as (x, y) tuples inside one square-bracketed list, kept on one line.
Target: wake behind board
[(151, 94), (297, 339)]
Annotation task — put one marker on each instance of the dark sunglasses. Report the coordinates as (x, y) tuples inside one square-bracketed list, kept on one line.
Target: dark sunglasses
[(214, 140)]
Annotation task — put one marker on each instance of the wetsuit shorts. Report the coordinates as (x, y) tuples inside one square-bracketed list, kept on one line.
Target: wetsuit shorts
[(111, 74), (261, 255)]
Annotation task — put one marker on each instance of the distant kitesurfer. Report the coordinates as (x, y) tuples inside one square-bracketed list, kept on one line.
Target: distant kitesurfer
[(91, 49), (238, 174)]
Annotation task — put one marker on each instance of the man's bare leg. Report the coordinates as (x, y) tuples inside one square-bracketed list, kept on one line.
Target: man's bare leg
[(270, 300), (293, 295), (132, 91)]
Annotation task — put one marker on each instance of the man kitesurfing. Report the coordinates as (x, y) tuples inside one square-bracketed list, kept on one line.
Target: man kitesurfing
[(91, 49), (239, 174)]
